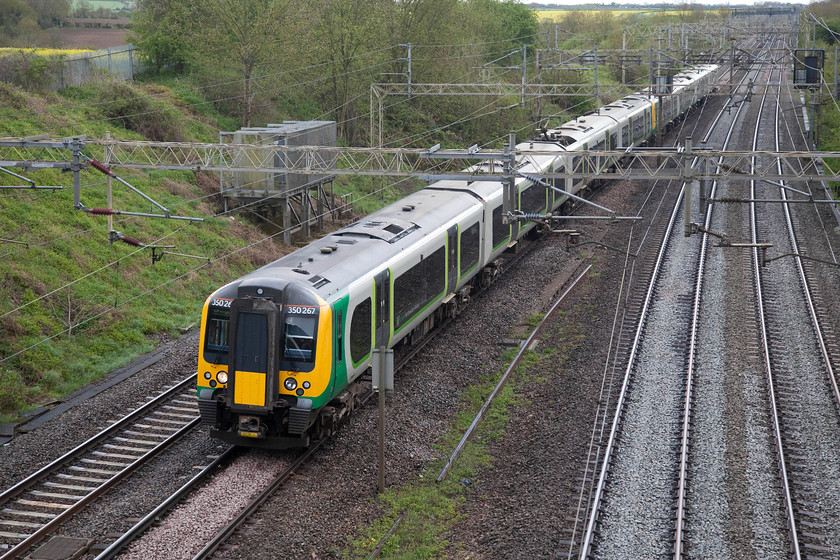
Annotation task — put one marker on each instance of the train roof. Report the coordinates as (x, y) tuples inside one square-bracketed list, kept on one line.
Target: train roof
[(333, 262)]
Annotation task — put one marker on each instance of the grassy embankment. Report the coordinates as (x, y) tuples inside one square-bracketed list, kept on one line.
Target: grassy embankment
[(73, 307), (829, 126)]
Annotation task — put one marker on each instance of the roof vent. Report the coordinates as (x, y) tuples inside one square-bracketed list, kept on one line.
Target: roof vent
[(408, 208), (390, 231), (318, 281), (326, 250)]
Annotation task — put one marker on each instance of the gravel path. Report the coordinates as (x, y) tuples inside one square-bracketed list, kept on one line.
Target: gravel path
[(192, 524)]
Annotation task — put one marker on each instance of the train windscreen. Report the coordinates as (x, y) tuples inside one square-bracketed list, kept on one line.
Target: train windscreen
[(216, 340), (299, 336)]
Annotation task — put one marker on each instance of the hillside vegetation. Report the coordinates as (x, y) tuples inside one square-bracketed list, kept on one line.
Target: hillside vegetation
[(827, 34), (75, 307)]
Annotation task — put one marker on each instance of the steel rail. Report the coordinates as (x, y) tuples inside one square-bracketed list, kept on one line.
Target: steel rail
[(682, 485), (161, 510), (254, 505), (503, 380), (611, 441), (588, 538), (378, 548), (762, 320), (92, 442), (803, 279), (118, 476)]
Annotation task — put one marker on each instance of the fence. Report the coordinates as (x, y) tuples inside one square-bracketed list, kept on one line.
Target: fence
[(121, 63)]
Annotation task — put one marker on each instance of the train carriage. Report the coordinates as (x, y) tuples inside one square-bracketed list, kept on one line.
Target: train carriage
[(282, 348)]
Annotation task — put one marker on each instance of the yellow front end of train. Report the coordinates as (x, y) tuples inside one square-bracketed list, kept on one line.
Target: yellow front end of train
[(265, 365)]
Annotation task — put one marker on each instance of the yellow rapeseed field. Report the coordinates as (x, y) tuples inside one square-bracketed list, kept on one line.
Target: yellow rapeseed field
[(556, 15), (5, 51)]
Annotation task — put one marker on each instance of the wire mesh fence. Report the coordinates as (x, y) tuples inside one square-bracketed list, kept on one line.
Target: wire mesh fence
[(120, 63)]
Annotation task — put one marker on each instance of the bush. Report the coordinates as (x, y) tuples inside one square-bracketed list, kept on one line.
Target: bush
[(30, 71), (149, 117), (11, 391)]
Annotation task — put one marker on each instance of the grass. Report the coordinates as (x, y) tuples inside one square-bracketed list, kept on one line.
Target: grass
[(96, 4), (433, 509), (74, 307)]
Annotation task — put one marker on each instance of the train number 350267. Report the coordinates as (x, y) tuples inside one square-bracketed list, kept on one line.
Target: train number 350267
[(301, 310)]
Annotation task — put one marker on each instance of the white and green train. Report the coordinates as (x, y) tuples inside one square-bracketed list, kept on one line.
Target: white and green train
[(282, 348)]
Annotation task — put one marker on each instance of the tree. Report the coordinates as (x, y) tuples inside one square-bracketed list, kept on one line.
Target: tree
[(17, 20), (689, 12), (503, 25), (345, 29), (51, 13), (242, 34), (161, 32)]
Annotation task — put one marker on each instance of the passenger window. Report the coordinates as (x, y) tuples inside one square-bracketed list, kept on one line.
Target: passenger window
[(470, 249), (418, 286), (360, 331), (501, 232), (532, 199)]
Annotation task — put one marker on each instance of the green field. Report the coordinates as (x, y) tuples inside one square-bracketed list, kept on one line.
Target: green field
[(109, 4)]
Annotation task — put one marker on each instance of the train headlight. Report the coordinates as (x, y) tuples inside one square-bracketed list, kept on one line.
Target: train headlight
[(290, 383), (222, 377), (207, 375)]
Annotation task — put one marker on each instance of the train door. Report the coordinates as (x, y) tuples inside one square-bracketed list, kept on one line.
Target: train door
[(382, 315), (255, 363), (452, 255)]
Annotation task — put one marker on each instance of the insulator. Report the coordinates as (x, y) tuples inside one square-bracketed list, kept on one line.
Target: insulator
[(530, 216), (102, 211), (132, 241), (100, 166)]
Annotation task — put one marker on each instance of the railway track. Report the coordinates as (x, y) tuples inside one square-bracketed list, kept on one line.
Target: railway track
[(691, 366), (629, 349), (795, 426), (37, 506)]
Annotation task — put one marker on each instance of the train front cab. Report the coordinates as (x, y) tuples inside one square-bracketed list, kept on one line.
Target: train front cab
[(277, 374)]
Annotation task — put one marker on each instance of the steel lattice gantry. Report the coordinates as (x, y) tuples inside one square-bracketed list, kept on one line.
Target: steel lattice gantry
[(681, 164), (425, 163)]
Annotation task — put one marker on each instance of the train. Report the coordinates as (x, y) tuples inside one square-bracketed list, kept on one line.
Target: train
[(282, 349)]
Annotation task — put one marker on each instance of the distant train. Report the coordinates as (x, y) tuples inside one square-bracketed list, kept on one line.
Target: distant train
[(282, 348)]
